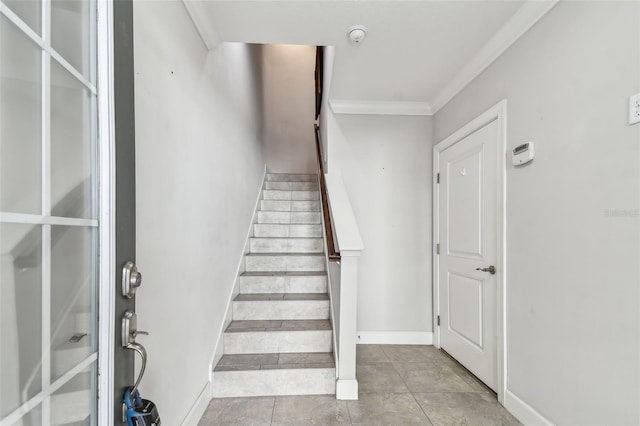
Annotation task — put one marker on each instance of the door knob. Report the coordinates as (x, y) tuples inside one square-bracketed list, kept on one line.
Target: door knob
[(131, 279), (491, 269)]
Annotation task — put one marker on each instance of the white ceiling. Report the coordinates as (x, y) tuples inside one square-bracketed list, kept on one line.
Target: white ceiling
[(414, 50)]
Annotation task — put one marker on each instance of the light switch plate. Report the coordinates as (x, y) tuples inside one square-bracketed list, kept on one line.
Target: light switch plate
[(634, 109)]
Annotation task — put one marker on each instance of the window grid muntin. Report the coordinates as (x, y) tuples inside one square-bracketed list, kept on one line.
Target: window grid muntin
[(43, 399)]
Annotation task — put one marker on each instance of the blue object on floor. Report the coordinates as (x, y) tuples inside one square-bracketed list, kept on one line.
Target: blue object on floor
[(140, 412)]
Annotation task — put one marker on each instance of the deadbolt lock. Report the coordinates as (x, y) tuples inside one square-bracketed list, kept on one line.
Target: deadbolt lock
[(131, 279)]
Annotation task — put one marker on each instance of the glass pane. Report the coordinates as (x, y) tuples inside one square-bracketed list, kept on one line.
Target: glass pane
[(72, 138), (74, 404), (20, 314), (72, 29), (73, 310), (32, 418), (27, 10), (20, 121)]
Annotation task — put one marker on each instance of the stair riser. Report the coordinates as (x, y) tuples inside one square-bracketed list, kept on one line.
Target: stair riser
[(289, 217), (286, 245), (287, 177), (307, 381), (291, 186), (287, 231), (290, 206), (283, 284), (284, 263), (267, 342), (280, 310), (291, 195)]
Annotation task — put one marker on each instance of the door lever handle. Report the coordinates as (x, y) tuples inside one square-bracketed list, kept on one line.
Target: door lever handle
[(491, 269)]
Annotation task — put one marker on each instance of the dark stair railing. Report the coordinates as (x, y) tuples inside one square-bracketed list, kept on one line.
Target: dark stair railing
[(334, 255)]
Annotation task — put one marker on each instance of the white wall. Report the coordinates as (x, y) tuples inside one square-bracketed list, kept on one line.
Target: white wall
[(385, 163), (573, 306), (199, 166), (289, 108)]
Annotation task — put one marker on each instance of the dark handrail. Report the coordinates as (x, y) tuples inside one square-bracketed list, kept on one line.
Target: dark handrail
[(334, 255)]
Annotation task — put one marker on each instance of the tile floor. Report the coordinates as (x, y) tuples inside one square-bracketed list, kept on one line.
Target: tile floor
[(399, 385)]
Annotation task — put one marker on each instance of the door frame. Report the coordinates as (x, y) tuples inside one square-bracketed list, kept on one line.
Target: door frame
[(498, 113), (107, 209)]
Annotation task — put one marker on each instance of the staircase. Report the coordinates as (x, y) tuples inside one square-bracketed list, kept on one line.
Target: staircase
[(280, 340)]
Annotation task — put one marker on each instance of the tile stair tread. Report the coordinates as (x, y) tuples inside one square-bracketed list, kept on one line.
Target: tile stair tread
[(277, 325), (280, 223), (284, 274), (275, 361), (290, 238), (271, 253), (292, 190), (289, 224), (287, 177), (291, 211), (286, 254), (280, 211), (289, 297)]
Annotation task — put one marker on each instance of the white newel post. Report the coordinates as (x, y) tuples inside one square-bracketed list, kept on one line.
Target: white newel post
[(350, 246), (347, 385)]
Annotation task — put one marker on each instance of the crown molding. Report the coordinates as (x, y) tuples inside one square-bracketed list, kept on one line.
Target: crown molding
[(340, 106), (528, 14), (198, 13)]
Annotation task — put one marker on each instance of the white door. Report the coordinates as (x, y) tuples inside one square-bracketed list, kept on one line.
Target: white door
[(468, 242)]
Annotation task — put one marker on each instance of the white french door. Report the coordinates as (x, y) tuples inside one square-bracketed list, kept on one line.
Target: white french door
[(49, 212)]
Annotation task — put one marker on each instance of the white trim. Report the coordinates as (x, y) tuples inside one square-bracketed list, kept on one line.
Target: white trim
[(198, 14), (523, 411), (341, 106), (107, 251), (34, 219), (395, 338), (46, 178), (45, 362), (218, 350), (332, 310), (528, 14), (496, 113), (199, 407), (435, 232), (45, 139)]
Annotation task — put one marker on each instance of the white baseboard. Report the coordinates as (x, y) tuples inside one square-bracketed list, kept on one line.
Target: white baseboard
[(523, 411), (199, 407), (218, 350), (394, 338)]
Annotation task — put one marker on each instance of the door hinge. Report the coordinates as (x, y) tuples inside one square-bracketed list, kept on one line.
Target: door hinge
[(438, 178), (438, 248), (438, 319)]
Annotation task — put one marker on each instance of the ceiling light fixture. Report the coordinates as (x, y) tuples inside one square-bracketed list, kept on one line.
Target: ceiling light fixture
[(357, 33)]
